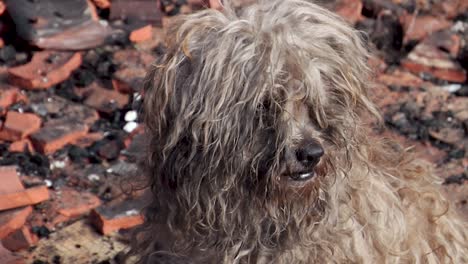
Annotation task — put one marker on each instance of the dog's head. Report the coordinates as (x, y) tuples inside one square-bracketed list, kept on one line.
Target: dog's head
[(249, 113)]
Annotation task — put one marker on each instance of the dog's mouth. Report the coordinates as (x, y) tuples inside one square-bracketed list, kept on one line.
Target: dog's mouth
[(301, 175)]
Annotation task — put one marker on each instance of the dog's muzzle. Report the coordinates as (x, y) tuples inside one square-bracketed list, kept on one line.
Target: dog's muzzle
[(306, 156)]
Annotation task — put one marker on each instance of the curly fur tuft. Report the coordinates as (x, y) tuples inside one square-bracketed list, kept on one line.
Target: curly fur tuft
[(237, 92)]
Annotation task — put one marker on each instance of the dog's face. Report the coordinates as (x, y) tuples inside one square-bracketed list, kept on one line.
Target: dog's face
[(250, 112)]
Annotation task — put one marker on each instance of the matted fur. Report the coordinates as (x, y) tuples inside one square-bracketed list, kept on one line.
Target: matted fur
[(225, 106)]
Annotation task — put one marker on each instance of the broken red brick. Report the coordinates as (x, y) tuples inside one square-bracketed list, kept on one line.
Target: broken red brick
[(104, 100), (88, 139), (11, 220), (450, 8), (132, 58), (448, 135), (64, 205), (350, 10), (416, 28), (45, 69), (118, 216), (7, 257), (56, 135), (428, 59), (2, 7), (129, 79), (103, 4), (19, 125), (56, 25), (10, 95), (141, 34), (73, 204), (143, 10), (20, 239), (400, 78), (445, 40), (30, 196), (66, 111), (10, 180), (23, 145)]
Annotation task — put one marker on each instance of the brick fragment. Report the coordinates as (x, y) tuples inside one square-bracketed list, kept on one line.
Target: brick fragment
[(132, 70), (53, 137), (103, 4), (350, 10), (11, 220), (10, 95), (22, 145), (450, 8), (129, 79), (104, 100), (20, 239), (30, 196), (445, 40), (71, 121), (416, 28), (58, 25), (2, 7), (143, 10), (123, 215), (64, 205), (399, 78), (88, 139), (10, 180), (19, 125), (428, 59), (7, 257), (73, 203), (46, 69), (141, 34)]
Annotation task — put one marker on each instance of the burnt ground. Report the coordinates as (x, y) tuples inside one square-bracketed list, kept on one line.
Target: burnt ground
[(69, 110)]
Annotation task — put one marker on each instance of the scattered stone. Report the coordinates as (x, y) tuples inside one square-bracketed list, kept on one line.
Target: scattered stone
[(123, 215), (110, 150), (17, 126), (131, 115), (45, 69), (130, 127)]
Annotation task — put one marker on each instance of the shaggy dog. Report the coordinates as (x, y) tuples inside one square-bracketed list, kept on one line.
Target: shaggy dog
[(260, 151)]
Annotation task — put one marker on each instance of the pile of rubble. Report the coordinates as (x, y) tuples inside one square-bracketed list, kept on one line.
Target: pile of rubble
[(70, 133)]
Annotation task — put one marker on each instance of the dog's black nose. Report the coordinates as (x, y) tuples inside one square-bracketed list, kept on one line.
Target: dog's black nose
[(309, 154)]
